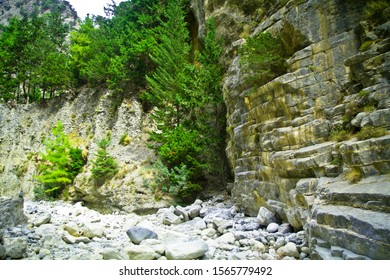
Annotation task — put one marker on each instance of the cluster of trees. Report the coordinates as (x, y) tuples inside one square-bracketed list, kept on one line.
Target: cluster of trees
[(33, 58), (142, 44)]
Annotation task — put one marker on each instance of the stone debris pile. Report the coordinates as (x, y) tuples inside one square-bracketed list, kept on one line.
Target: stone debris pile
[(213, 229)]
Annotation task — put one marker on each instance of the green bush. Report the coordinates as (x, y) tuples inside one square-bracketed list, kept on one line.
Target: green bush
[(59, 166), (262, 59), (375, 11), (371, 132), (338, 134), (175, 181), (105, 166)]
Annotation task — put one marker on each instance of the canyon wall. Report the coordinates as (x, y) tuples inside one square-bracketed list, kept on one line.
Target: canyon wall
[(281, 144)]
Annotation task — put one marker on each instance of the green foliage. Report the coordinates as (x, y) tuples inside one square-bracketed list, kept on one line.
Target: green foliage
[(353, 175), (173, 181), (377, 11), (33, 58), (125, 139), (104, 166), (368, 132), (59, 166), (338, 134), (262, 59), (187, 98)]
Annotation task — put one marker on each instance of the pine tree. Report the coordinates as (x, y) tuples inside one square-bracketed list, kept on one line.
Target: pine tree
[(54, 171), (104, 167)]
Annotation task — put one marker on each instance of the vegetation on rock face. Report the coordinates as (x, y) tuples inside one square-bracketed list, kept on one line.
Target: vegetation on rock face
[(60, 164), (262, 59), (377, 11), (104, 167)]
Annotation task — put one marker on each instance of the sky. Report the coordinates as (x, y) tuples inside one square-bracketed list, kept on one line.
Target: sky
[(92, 7)]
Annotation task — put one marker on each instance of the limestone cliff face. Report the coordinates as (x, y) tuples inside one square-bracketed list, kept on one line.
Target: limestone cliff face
[(21, 8), (87, 116), (280, 144)]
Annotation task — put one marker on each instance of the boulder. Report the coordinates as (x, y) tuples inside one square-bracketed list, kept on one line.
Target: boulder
[(92, 230), (11, 210), (169, 218), (194, 210), (288, 250), (138, 234), (182, 212), (265, 217), (41, 219), (3, 253), (186, 250), (15, 247), (140, 252), (73, 229)]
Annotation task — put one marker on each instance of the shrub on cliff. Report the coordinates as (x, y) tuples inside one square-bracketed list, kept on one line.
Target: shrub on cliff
[(104, 166), (60, 164), (262, 59)]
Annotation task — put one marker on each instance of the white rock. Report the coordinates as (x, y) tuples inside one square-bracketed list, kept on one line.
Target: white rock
[(288, 250), (70, 239), (15, 247), (92, 230), (272, 227), (209, 232), (73, 229), (257, 246), (41, 219), (227, 238), (140, 252), (186, 250)]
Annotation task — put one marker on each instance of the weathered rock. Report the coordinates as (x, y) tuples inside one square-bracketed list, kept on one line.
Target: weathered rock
[(228, 238), (265, 217), (288, 250), (11, 210), (186, 251), (15, 247), (169, 218), (73, 229), (285, 228), (113, 254), (41, 219), (92, 230), (140, 252), (70, 239), (138, 234), (3, 253), (194, 210), (182, 212)]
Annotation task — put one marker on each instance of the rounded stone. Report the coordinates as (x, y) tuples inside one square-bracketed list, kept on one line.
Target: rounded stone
[(272, 227), (138, 234)]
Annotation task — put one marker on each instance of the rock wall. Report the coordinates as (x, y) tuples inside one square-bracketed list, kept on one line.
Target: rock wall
[(280, 144), (87, 116)]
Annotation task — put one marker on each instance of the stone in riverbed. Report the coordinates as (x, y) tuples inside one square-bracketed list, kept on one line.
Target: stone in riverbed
[(288, 250), (265, 217), (3, 253), (140, 252), (138, 234), (272, 227), (186, 250), (15, 247)]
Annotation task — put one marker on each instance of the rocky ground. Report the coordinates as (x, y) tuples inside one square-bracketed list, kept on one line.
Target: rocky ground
[(213, 229)]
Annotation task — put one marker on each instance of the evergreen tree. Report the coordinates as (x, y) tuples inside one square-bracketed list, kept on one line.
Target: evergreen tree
[(54, 169), (105, 166), (59, 166)]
